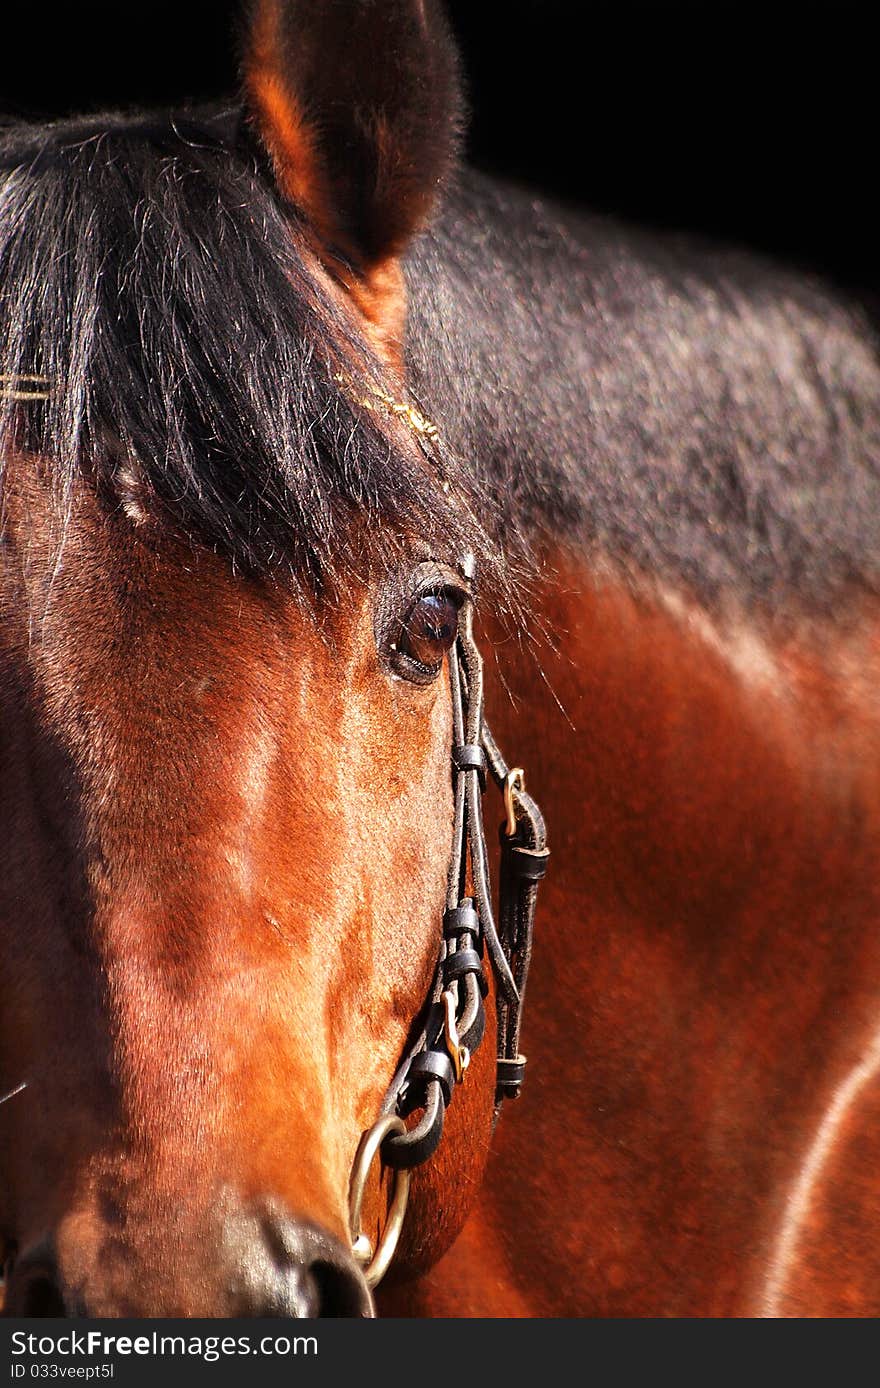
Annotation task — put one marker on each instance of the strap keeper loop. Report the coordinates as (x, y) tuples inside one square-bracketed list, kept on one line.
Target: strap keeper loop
[(434, 1065), (527, 864), (464, 961), (462, 920), (469, 756), (510, 1076)]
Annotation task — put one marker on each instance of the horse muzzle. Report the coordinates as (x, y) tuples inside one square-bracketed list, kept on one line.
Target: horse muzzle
[(270, 1265)]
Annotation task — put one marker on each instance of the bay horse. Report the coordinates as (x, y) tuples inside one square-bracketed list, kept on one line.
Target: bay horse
[(289, 399)]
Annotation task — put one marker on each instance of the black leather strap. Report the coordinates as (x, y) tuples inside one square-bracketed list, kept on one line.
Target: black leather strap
[(524, 858), (413, 1148)]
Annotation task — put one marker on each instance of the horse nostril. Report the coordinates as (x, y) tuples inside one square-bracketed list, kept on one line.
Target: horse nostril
[(287, 1267), (342, 1290), (33, 1285)]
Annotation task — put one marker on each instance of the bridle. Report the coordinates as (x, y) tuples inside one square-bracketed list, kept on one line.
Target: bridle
[(453, 1020)]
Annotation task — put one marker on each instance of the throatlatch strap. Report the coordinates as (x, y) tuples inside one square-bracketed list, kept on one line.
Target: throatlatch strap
[(524, 858)]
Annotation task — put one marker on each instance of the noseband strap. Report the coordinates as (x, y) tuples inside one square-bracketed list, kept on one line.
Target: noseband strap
[(454, 1019)]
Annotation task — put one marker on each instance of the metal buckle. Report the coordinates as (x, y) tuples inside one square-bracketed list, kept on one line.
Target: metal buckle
[(514, 781), (459, 1054)]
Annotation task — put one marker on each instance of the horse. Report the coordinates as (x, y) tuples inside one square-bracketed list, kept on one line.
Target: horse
[(300, 414)]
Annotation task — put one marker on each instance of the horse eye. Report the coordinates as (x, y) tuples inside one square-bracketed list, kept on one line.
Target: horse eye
[(427, 632)]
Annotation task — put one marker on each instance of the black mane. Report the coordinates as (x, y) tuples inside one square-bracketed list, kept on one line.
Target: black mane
[(148, 272), (684, 412)]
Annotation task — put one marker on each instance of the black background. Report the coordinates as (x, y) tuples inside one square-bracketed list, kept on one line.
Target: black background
[(758, 124)]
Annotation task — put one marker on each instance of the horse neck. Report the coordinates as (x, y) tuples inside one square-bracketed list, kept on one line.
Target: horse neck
[(713, 796), (701, 1010)]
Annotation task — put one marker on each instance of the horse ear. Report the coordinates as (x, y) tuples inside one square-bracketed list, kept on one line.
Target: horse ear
[(358, 104)]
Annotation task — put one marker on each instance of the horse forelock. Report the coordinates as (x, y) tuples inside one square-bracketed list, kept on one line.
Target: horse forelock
[(167, 339)]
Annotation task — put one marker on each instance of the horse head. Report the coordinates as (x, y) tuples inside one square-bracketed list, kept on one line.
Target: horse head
[(234, 564)]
